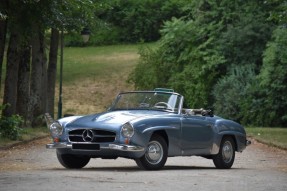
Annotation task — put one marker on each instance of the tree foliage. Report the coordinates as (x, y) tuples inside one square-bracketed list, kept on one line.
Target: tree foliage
[(135, 21), (231, 92), (230, 56), (27, 67), (273, 78), (221, 55)]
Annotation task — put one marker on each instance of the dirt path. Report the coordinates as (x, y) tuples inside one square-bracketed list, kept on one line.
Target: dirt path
[(32, 155)]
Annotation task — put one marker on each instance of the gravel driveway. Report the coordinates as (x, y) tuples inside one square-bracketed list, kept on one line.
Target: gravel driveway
[(32, 167)]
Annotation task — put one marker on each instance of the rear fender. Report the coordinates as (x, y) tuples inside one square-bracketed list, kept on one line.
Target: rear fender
[(239, 139)]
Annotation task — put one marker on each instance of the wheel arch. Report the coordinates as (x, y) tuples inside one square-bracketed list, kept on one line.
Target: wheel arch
[(233, 138), (157, 152), (163, 134), (163, 131)]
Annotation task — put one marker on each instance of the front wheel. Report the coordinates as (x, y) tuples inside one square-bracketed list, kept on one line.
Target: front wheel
[(225, 158), (156, 154), (72, 161)]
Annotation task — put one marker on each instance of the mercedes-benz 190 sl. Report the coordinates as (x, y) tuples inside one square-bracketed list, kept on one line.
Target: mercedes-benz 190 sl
[(149, 127)]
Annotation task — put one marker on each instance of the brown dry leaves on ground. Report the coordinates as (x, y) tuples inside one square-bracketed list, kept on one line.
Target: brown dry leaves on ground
[(23, 157), (275, 157)]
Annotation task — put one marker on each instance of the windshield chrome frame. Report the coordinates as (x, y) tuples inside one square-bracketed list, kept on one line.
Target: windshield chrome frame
[(111, 108)]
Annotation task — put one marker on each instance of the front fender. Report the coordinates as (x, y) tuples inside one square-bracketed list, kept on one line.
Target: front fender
[(143, 136), (172, 134), (156, 128)]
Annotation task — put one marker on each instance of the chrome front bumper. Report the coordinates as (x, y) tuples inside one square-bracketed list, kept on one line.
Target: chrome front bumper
[(110, 146), (58, 146)]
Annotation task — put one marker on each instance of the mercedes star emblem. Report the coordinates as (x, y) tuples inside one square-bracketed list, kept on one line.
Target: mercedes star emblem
[(88, 135)]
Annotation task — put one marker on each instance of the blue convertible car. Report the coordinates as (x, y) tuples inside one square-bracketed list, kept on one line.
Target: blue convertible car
[(147, 126)]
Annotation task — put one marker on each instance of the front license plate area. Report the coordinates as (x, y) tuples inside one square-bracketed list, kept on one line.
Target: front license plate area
[(93, 147)]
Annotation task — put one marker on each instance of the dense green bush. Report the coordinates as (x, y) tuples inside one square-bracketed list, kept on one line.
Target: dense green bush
[(146, 72), (221, 54), (264, 100), (273, 78), (232, 92), (10, 126)]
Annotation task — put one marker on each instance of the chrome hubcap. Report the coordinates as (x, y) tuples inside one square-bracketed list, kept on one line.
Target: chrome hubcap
[(227, 152), (154, 152)]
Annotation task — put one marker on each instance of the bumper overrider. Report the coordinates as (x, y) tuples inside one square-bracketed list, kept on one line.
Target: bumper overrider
[(247, 142)]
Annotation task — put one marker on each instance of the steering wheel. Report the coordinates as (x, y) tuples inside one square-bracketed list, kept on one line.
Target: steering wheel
[(163, 104)]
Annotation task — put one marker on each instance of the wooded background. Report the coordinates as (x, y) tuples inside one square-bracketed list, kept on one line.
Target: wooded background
[(226, 55)]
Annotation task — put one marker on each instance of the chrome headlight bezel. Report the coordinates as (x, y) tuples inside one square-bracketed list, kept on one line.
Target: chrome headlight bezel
[(127, 130), (56, 129)]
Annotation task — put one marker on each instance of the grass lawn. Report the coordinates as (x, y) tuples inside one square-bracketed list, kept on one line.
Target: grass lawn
[(271, 136), (93, 76), (98, 63)]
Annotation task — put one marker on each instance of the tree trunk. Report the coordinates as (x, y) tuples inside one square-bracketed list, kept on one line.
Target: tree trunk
[(52, 71), (44, 77), (3, 29), (23, 91), (36, 105), (10, 91)]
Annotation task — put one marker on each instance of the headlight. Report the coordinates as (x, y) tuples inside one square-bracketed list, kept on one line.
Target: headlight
[(127, 130), (56, 129)]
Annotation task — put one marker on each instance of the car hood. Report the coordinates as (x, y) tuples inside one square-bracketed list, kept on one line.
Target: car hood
[(118, 117), (110, 118)]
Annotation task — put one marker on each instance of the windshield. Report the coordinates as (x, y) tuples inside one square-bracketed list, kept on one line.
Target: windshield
[(148, 101)]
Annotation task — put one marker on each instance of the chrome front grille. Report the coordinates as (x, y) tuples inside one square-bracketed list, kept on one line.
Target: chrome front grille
[(91, 135)]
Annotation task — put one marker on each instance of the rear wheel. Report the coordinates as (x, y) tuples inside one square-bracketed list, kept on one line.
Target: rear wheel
[(72, 161), (156, 154), (225, 158)]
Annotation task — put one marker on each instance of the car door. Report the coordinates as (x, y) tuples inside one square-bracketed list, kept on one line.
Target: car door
[(196, 135)]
